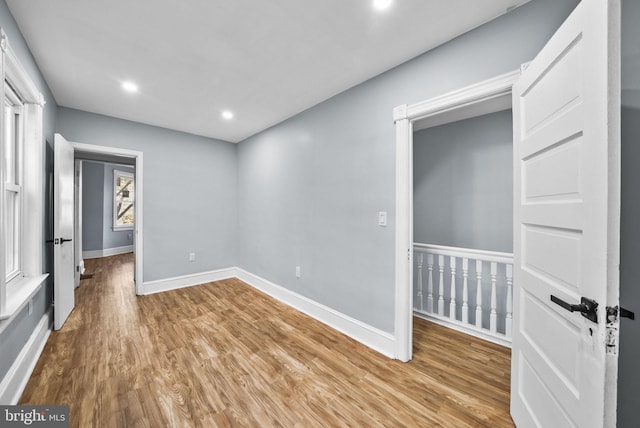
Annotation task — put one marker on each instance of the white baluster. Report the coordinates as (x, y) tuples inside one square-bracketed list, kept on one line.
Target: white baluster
[(509, 317), (452, 300), (441, 286), (465, 290), (479, 293), (493, 317), (420, 262), (430, 283)]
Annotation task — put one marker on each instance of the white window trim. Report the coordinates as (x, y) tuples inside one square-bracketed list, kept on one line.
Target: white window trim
[(15, 294), (16, 186), (118, 173)]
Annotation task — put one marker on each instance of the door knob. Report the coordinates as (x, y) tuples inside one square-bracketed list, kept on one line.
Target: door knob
[(587, 307)]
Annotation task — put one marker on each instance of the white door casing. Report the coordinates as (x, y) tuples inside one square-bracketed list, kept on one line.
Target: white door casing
[(138, 239), (474, 100), (77, 233), (63, 230), (566, 109)]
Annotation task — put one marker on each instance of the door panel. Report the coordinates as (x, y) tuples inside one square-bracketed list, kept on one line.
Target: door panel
[(566, 210), (63, 229)]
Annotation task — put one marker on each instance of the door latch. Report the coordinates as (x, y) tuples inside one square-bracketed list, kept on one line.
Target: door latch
[(612, 332), (587, 307), (619, 311)]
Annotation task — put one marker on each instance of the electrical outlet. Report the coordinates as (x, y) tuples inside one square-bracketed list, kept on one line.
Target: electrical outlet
[(130, 236), (192, 257), (298, 271)]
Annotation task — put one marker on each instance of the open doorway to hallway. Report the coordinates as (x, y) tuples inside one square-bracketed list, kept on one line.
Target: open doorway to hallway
[(105, 214)]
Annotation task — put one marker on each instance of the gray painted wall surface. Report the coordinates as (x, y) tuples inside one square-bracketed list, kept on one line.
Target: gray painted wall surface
[(310, 188), (97, 208), (463, 183), (629, 375), (15, 335), (92, 202), (189, 191)]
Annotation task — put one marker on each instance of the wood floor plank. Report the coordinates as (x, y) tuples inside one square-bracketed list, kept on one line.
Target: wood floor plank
[(225, 355)]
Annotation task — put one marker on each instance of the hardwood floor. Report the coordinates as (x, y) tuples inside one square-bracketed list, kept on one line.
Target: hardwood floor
[(223, 354)]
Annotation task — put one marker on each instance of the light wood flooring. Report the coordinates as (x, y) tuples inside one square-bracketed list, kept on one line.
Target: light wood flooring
[(223, 354)]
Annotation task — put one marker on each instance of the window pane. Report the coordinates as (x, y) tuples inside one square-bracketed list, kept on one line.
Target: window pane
[(124, 216), (125, 190), (12, 229), (9, 153), (124, 199)]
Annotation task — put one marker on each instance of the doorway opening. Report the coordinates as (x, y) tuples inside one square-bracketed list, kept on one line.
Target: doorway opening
[(490, 96), (104, 209), (463, 216), (106, 161)]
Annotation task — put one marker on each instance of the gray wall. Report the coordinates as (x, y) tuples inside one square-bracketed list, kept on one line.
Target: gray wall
[(14, 335), (463, 183), (629, 375), (97, 208), (92, 205), (189, 191), (310, 188)]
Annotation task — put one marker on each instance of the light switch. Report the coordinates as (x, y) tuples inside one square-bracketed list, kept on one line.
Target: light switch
[(382, 218)]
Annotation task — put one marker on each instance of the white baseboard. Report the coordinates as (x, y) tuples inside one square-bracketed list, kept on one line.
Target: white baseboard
[(16, 379), (174, 283), (375, 339), (94, 254)]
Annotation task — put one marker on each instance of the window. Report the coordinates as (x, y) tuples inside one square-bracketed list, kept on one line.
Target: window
[(123, 200), (12, 166), (21, 185)]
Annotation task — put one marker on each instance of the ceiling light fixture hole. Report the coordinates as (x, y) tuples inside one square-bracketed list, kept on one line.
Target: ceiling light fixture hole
[(130, 87), (382, 4)]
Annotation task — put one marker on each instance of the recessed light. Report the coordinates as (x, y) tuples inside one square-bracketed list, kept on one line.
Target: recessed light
[(227, 115), (130, 87), (381, 4)]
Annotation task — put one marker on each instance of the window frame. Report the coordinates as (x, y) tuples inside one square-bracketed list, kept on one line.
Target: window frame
[(125, 174), (16, 292), (14, 184)]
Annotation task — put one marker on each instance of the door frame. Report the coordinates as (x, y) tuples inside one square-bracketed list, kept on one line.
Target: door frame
[(471, 99), (138, 241)]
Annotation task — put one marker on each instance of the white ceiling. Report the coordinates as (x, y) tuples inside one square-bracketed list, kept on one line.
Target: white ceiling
[(264, 60)]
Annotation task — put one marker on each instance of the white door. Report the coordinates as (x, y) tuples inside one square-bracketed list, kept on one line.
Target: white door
[(566, 234), (63, 220)]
